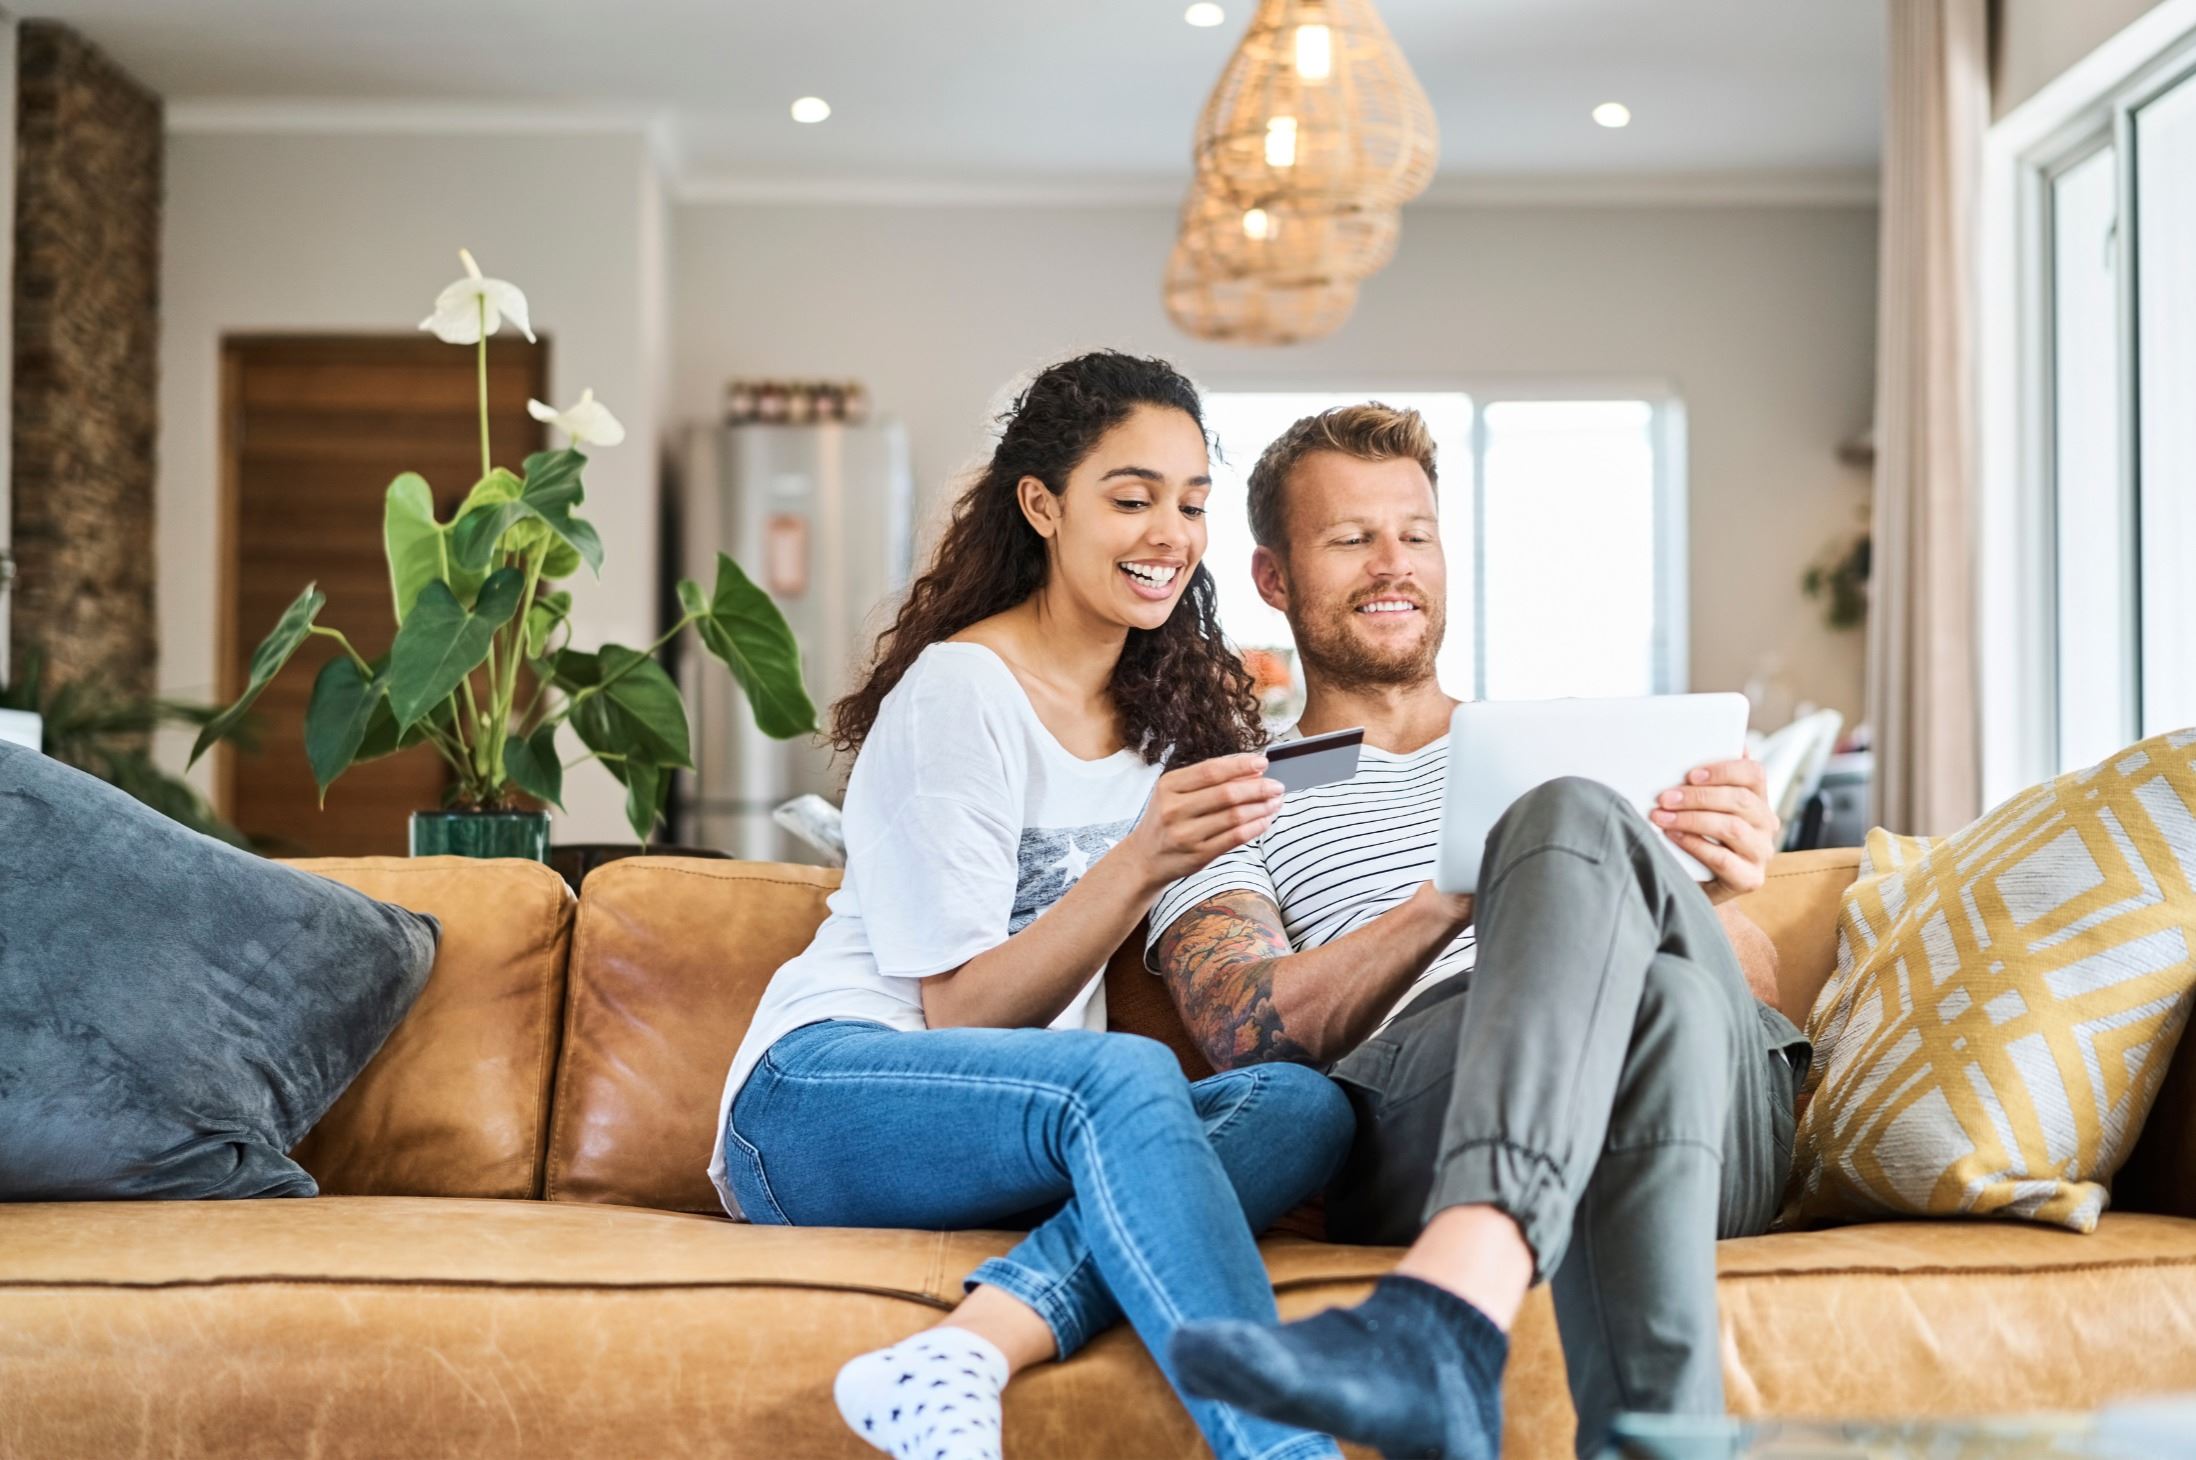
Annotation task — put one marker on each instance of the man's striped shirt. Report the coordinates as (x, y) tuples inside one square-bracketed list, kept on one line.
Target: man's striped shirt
[(1338, 856)]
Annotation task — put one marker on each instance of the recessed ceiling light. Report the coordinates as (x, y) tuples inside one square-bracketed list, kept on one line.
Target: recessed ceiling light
[(1204, 13), (1613, 114), (811, 109)]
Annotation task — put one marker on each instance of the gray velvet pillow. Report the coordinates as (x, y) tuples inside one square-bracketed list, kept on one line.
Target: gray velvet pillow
[(174, 1013)]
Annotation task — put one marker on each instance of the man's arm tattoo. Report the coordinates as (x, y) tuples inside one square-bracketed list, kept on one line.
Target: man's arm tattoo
[(1218, 959)]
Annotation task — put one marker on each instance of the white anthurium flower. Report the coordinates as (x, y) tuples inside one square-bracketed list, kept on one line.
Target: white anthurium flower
[(587, 421), (459, 317)]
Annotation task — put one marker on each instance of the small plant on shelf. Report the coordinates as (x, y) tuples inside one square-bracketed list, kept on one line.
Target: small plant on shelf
[(1839, 575)]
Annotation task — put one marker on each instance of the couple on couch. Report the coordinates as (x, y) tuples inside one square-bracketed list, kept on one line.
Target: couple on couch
[(1574, 1080)]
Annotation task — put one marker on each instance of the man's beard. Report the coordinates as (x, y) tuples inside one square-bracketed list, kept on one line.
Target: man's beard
[(1329, 648)]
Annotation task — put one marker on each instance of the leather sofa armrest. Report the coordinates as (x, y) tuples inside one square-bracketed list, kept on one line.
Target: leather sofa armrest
[(1798, 909)]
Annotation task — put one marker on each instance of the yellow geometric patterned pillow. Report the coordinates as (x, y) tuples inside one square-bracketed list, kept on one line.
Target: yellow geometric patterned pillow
[(2006, 1002)]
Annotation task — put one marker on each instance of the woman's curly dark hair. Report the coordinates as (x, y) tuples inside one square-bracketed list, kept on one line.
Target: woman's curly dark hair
[(1182, 693)]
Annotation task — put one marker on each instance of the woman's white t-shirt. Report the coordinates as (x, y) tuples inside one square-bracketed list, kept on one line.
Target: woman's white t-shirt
[(965, 819)]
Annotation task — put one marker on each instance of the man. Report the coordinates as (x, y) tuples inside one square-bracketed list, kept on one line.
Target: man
[(1604, 1095)]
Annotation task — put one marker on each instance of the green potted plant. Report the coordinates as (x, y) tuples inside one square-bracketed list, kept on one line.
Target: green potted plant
[(106, 735), (476, 605)]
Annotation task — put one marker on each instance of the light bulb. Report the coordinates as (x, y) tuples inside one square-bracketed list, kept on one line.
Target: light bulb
[(1204, 14), (1314, 52), (1613, 114), (1256, 224), (811, 109), (1281, 142)]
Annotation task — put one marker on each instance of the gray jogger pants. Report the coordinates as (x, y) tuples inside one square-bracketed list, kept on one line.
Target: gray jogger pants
[(1607, 1079)]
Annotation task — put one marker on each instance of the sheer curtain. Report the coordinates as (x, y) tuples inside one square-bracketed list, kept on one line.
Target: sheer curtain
[(1921, 634)]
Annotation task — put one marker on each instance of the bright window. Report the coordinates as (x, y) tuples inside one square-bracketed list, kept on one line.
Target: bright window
[(2096, 630), (2164, 206), (2111, 477), (1570, 526), (1561, 519)]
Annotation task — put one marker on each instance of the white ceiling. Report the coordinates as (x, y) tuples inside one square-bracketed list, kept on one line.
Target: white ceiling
[(1046, 92)]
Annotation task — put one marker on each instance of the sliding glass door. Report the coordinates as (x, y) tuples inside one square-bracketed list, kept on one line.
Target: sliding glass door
[(2163, 132), (2092, 507), (2113, 319)]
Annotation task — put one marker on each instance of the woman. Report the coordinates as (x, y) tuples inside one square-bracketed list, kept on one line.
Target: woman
[(937, 1057)]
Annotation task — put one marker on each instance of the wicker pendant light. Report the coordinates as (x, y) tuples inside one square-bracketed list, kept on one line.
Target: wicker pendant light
[(1253, 311), (1317, 108), (1283, 243)]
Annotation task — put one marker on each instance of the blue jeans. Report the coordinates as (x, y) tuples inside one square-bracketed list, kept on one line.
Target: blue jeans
[(1159, 1184)]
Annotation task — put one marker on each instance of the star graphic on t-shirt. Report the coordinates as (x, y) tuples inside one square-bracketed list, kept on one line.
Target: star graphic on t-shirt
[(1074, 863)]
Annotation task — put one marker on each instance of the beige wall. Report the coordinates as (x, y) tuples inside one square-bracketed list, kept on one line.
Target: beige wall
[(309, 233), (1763, 318), (2032, 41)]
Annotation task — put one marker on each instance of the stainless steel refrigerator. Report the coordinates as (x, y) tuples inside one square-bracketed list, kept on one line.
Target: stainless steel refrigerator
[(822, 516)]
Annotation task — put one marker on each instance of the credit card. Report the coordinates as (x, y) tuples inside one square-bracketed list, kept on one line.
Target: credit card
[(1318, 760)]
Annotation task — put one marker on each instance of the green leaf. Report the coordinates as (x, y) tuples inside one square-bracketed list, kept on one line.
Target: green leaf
[(273, 652), (443, 641), (344, 703), (572, 670), (499, 486), (645, 786), (498, 489), (548, 611), (555, 470), (550, 492), (383, 735), (413, 542), (740, 625), (637, 712), (561, 561), (533, 766)]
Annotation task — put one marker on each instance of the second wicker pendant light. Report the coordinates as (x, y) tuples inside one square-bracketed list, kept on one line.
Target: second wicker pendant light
[(1314, 137)]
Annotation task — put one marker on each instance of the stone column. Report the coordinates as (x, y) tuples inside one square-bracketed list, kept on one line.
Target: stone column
[(87, 315)]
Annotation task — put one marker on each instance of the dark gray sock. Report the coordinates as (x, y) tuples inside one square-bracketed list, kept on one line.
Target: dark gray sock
[(1414, 1371)]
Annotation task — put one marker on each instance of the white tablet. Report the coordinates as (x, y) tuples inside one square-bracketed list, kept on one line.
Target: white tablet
[(1501, 749)]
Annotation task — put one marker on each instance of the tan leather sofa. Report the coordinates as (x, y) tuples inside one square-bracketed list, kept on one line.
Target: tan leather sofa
[(517, 1252)]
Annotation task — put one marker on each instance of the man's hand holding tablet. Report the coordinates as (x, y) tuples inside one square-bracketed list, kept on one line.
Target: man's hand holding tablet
[(1679, 759), (1721, 818)]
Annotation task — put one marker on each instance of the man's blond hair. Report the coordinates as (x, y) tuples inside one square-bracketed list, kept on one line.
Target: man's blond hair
[(1368, 432)]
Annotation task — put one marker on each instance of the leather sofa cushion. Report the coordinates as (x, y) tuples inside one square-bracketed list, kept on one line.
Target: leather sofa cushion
[(669, 958), (1137, 1002), (457, 1101), (449, 1328), (1948, 1318), (671, 955), (380, 1326)]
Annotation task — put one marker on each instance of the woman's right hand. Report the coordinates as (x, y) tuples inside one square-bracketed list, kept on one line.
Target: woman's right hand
[(1202, 810)]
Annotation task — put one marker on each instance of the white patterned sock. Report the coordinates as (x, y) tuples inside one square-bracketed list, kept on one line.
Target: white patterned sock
[(931, 1397)]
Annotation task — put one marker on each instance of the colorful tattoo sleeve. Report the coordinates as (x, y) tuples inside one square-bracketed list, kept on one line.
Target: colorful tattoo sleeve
[(1218, 961)]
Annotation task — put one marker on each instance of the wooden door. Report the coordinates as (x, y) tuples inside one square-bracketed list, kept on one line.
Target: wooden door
[(314, 430)]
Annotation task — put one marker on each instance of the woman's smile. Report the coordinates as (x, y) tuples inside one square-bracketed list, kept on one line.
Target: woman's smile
[(1152, 579)]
